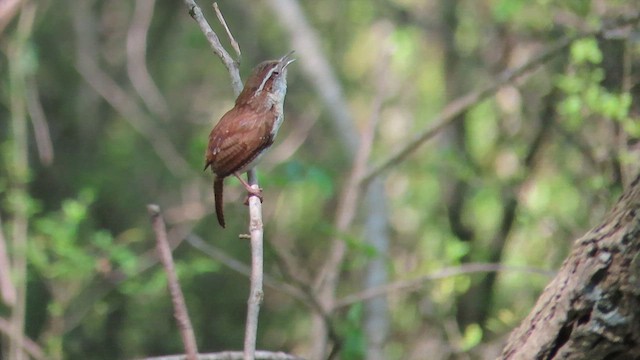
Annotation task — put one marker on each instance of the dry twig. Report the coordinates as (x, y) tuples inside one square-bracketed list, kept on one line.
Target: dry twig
[(180, 309), (232, 40), (219, 255), (105, 86), (39, 122), (216, 46), (137, 60), (7, 289), (29, 346), (414, 284), (232, 355)]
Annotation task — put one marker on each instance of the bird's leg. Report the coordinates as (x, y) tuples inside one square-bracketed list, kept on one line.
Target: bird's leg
[(251, 190)]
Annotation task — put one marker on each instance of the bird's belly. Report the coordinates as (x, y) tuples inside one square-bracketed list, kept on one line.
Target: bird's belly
[(253, 163)]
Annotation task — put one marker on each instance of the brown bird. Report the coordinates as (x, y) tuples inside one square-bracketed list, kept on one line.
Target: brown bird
[(243, 134)]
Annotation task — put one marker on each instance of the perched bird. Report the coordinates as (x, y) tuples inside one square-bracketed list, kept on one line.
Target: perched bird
[(242, 135)]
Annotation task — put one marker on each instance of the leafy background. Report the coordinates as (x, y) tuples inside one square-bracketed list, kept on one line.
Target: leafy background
[(513, 181)]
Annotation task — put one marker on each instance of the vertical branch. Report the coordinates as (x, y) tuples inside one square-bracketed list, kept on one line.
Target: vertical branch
[(7, 289), (255, 206), (256, 293), (177, 298), (376, 321), (327, 279), (20, 171), (376, 318)]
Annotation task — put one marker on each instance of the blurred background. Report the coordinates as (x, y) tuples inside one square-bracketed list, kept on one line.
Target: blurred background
[(106, 106)]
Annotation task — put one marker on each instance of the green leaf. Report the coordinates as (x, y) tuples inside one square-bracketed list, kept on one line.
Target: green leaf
[(471, 337), (504, 10), (586, 51)]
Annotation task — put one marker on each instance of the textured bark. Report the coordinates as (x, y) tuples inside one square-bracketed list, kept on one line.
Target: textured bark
[(591, 310)]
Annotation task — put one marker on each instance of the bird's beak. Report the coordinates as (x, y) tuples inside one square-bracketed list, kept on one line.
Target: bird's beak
[(287, 59)]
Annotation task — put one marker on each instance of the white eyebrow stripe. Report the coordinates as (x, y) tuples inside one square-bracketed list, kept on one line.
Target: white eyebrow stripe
[(264, 81)]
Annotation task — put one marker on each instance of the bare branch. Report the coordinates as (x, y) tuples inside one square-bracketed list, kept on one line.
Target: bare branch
[(121, 101), (256, 294), (232, 40), (7, 289), (232, 355), (137, 60), (19, 163), (180, 309), (326, 281), (349, 196), (39, 121), (415, 284), (29, 346), (219, 255), (216, 46), (8, 9)]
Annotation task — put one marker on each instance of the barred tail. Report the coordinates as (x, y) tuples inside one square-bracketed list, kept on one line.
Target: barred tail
[(218, 183)]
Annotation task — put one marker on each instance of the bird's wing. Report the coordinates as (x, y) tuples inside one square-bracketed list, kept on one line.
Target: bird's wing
[(236, 140)]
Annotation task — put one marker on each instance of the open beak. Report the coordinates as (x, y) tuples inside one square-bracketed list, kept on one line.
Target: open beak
[(286, 60)]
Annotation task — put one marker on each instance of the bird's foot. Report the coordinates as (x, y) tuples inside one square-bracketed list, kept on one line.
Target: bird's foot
[(253, 192)]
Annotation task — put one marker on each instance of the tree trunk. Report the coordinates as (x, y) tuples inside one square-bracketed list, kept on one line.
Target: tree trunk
[(591, 310)]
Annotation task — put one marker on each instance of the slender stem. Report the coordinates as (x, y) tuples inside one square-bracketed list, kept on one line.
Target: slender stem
[(255, 205), (256, 293), (19, 179), (180, 309), (216, 46), (232, 355)]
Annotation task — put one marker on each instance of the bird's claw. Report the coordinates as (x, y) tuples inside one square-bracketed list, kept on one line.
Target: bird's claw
[(253, 192)]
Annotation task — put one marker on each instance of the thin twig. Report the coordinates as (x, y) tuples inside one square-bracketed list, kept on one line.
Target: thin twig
[(220, 256), (180, 309), (216, 46), (7, 289), (137, 60), (451, 112), (310, 294), (8, 9), (326, 281), (415, 284), (232, 40), (232, 355), (105, 86), (19, 163), (29, 346), (39, 122)]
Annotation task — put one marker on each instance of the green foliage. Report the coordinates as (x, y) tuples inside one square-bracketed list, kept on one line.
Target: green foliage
[(65, 249), (354, 341), (585, 96), (504, 10), (482, 132), (471, 337)]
